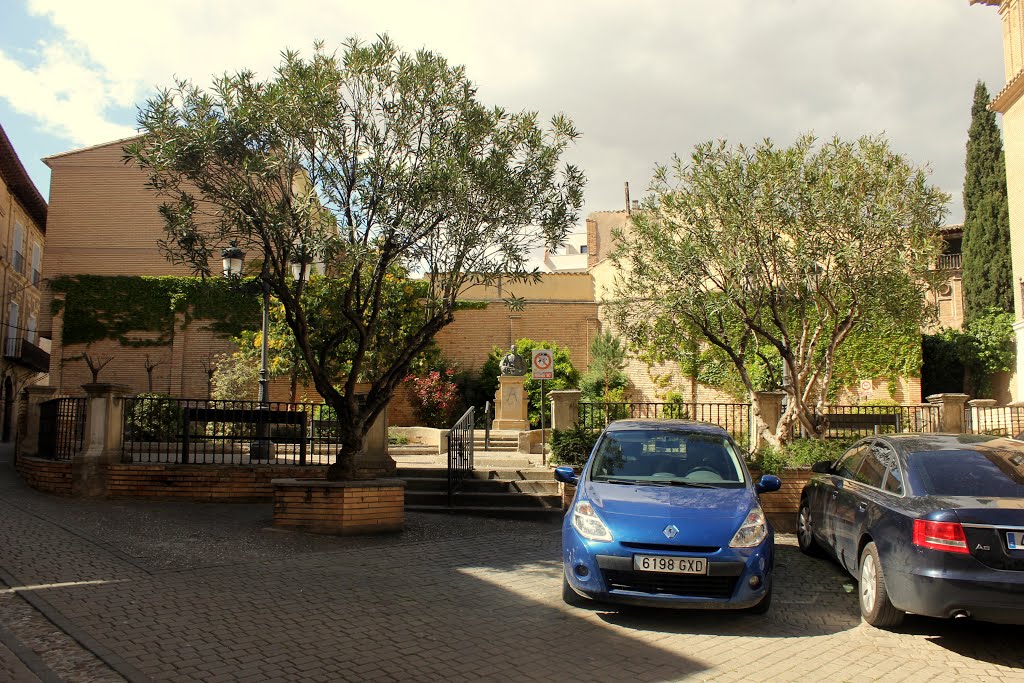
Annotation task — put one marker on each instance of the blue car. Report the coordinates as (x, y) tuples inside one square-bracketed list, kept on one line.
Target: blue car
[(666, 515)]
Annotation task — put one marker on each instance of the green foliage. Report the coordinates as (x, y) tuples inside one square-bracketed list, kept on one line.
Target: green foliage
[(799, 453), (776, 256), (566, 376), (367, 161), (396, 439), (984, 347), (153, 417), (607, 360), (235, 376), (97, 307), (435, 398), (987, 271), (572, 446)]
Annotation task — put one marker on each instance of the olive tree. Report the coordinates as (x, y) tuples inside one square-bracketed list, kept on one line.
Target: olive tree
[(772, 254), (373, 163)]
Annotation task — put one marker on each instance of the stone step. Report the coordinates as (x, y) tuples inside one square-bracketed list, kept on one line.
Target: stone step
[(502, 512), (484, 499), (440, 484), (507, 473)]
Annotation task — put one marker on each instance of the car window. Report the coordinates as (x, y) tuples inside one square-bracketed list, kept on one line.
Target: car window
[(850, 462), (875, 465), (981, 472), (893, 473), (660, 454)]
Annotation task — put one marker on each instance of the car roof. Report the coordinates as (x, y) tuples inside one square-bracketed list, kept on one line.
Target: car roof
[(691, 426), (916, 443)]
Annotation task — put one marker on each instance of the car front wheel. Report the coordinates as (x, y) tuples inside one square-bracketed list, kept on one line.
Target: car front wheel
[(875, 606), (571, 597), (805, 530)]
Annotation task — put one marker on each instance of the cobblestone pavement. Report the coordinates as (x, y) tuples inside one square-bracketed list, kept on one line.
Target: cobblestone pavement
[(180, 592)]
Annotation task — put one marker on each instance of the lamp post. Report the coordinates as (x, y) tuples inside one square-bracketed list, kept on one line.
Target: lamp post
[(233, 260)]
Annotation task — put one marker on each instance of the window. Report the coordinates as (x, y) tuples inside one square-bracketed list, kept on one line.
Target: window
[(17, 258), (30, 333), (850, 462), (12, 330), (583, 249), (872, 470), (37, 258)]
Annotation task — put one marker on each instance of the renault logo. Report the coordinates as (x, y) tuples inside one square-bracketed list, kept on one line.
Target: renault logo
[(670, 531)]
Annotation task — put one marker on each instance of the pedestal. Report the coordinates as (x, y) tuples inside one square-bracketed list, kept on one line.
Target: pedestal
[(511, 404)]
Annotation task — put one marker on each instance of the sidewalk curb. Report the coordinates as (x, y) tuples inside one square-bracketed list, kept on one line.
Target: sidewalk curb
[(114, 661), (29, 658)]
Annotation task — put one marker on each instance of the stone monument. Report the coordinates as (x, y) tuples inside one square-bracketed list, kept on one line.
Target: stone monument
[(511, 402)]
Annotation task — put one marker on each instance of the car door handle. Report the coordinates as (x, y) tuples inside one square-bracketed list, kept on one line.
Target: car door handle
[(835, 494), (861, 507)]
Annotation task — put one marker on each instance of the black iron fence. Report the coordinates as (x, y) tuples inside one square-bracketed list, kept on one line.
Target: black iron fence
[(732, 417), (173, 430), (995, 420), (850, 421), (460, 453), (61, 428)]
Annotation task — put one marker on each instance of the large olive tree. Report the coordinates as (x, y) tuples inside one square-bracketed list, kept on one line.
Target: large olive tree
[(777, 255), (372, 162)]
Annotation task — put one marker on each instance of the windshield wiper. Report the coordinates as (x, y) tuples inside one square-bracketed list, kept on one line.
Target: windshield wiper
[(680, 482), (618, 481)]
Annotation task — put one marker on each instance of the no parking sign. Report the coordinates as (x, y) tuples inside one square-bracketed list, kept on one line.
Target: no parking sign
[(543, 365)]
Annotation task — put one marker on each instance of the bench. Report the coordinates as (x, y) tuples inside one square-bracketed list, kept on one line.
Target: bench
[(262, 418)]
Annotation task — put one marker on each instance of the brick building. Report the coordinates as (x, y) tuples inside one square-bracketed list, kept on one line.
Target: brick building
[(23, 215)]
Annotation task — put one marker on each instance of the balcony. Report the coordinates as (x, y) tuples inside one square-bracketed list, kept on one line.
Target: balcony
[(27, 354), (950, 262)]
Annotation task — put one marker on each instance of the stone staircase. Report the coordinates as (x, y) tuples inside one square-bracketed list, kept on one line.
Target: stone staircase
[(504, 492)]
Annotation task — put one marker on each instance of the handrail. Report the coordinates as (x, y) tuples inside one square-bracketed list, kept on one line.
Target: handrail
[(460, 453)]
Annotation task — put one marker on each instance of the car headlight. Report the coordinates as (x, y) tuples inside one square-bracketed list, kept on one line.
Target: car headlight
[(588, 524), (753, 530)]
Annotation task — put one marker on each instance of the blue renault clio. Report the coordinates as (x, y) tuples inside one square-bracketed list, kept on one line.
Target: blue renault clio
[(666, 515)]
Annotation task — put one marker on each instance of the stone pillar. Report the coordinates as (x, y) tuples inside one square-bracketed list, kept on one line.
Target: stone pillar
[(374, 456), (983, 418), (951, 411), (769, 405), (565, 408), (34, 396), (104, 426), (510, 404)]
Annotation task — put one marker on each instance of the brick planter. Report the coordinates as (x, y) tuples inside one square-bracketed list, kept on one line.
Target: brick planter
[(339, 507), (49, 476)]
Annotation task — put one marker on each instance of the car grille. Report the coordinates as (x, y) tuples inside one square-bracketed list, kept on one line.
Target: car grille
[(690, 585), (704, 549)]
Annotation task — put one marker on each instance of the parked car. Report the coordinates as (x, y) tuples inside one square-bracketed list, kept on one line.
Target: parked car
[(931, 524), (666, 515)]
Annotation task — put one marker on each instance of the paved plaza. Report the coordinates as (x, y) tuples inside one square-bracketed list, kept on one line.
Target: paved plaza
[(115, 590)]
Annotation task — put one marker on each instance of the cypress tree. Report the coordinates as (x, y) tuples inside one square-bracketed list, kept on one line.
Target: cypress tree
[(987, 272)]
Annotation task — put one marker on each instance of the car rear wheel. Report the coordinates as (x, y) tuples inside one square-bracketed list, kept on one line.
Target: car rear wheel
[(571, 597), (805, 530), (875, 606)]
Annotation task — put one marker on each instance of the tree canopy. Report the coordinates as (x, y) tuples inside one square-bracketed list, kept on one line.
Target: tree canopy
[(372, 162), (988, 274), (775, 257)]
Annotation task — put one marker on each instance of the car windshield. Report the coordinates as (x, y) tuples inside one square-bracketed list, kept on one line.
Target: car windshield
[(985, 472), (663, 457)]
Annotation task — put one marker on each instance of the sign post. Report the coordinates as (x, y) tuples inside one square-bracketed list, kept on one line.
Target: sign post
[(542, 367)]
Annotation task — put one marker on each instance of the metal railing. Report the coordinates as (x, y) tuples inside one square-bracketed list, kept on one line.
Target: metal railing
[(853, 421), (173, 430), (61, 428), (732, 417), (460, 453), (950, 261), (995, 420)]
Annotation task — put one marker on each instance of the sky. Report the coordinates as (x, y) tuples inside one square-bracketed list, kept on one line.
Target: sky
[(642, 80)]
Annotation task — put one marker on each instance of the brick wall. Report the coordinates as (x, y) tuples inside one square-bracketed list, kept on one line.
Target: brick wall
[(49, 476), (340, 507), (210, 483)]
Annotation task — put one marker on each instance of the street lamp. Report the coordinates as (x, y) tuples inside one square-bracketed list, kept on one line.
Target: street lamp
[(233, 260)]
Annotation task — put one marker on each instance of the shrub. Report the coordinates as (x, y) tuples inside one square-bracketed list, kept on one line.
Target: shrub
[(396, 439), (572, 446), (799, 453), (156, 417), (435, 398)]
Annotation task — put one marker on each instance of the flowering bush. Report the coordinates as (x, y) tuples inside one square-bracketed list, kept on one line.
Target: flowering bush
[(435, 398)]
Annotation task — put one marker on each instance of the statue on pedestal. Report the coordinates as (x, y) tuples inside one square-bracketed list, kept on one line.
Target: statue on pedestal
[(512, 364)]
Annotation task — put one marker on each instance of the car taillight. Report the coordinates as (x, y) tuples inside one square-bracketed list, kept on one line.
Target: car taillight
[(946, 536)]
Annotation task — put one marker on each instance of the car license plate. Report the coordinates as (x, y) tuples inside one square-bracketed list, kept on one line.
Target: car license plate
[(672, 565), (1015, 540)]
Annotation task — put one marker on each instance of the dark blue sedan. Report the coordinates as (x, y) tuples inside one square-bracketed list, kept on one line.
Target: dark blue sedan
[(666, 515), (931, 524)]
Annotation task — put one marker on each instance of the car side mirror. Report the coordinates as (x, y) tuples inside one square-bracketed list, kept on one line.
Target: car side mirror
[(566, 475), (822, 467), (768, 483)]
